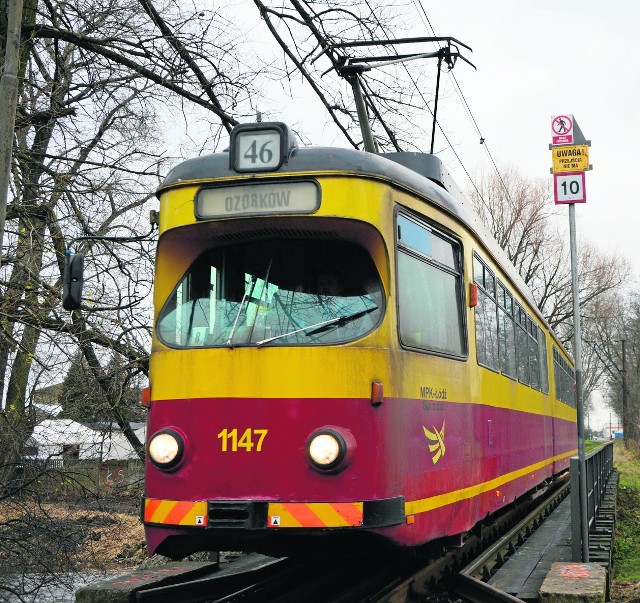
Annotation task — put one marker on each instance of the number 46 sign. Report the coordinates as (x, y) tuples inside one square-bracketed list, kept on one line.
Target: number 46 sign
[(569, 188)]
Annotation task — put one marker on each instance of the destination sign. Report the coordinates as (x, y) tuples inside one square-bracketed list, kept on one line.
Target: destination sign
[(574, 158), (258, 199)]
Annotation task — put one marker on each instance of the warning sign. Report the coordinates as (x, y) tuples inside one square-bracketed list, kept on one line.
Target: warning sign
[(573, 158), (562, 129)]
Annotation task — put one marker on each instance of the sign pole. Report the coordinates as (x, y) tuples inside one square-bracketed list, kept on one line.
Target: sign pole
[(570, 154), (577, 346)]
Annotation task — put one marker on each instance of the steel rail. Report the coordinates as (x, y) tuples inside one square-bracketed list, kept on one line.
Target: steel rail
[(465, 583), (514, 536), (238, 576), (473, 588)]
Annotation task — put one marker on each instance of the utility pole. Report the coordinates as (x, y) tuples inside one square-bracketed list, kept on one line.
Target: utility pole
[(8, 103)]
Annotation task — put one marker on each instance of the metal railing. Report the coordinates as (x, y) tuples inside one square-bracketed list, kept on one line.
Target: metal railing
[(599, 466)]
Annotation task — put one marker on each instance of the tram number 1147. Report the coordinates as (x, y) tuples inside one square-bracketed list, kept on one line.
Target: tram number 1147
[(249, 440)]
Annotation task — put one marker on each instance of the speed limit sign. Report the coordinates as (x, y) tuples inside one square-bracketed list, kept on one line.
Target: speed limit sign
[(569, 188)]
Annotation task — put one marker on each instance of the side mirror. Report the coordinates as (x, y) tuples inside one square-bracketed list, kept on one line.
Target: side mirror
[(72, 281)]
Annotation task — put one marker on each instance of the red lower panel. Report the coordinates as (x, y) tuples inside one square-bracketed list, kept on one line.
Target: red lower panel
[(255, 449)]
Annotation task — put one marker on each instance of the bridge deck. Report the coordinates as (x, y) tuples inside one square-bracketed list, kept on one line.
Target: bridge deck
[(523, 573)]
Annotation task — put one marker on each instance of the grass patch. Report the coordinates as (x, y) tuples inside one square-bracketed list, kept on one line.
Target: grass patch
[(627, 546), (590, 445)]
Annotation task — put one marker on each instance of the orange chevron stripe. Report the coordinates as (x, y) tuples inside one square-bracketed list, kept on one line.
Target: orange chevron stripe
[(178, 512), (351, 512), (304, 515), (315, 515), (175, 512), (150, 507)]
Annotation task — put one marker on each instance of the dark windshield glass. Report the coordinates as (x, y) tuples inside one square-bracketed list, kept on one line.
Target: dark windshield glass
[(277, 292)]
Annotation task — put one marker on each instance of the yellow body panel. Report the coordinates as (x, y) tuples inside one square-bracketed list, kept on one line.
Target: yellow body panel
[(443, 432), (414, 507), (377, 356)]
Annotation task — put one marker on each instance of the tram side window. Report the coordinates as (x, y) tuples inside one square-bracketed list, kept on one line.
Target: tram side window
[(429, 290), (564, 379), (506, 333), (486, 317), (522, 346), (534, 363), (544, 371)]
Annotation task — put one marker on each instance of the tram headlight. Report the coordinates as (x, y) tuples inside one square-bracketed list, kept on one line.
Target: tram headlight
[(327, 448), (166, 449)]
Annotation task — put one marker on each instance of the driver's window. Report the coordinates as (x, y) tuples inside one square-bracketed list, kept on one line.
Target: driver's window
[(280, 292)]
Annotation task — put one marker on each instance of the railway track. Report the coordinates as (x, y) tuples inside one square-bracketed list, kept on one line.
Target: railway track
[(461, 571)]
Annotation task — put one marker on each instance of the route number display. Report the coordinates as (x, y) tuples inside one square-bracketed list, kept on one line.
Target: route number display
[(569, 188), (258, 150), (261, 147)]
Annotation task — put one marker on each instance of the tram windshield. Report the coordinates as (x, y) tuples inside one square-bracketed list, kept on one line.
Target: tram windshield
[(274, 293)]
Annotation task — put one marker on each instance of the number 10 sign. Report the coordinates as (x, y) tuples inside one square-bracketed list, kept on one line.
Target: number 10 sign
[(569, 188)]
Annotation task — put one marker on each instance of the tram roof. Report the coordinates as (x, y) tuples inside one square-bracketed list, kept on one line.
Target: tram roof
[(338, 160), (421, 173)]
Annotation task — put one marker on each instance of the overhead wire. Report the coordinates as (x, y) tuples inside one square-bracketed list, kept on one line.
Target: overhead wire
[(415, 84), (368, 96), (366, 92), (422, 12)]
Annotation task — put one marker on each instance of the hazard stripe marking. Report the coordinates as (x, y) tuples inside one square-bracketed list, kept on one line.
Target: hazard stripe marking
[(176, 512), (150, 507), (286, 520), (305, 516), (315, 515)]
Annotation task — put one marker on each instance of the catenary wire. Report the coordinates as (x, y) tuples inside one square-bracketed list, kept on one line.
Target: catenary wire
[(453, 150), (422, 12)]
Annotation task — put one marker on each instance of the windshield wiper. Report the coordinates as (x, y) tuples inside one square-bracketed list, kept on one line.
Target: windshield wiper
[(247, 293), (318, 324), (339, 321), (321, 326)]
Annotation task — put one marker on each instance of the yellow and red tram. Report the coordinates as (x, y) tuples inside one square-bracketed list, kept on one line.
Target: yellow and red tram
[(340, 355)]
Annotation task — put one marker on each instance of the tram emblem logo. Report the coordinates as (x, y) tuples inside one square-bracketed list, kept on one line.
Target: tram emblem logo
[(437, 447)]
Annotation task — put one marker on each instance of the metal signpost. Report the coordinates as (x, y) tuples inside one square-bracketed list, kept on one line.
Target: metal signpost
[(570, 153)]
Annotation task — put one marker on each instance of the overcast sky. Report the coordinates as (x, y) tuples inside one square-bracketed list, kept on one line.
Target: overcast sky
[(536, 59)]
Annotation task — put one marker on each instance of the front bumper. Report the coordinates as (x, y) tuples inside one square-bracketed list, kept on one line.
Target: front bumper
[(263, 515)]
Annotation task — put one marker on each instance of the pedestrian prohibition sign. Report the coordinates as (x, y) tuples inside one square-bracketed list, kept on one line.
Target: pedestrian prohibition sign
[(562, 129), (569, 188)]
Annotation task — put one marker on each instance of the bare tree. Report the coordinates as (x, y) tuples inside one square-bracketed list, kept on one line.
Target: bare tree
[(616, 342), (93, 77), (398, 95), (98, 85), (518, 211)]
